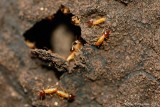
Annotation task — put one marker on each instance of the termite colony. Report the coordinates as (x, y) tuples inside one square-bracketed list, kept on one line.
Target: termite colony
[(76, 42), (78, 45), (75, 48)]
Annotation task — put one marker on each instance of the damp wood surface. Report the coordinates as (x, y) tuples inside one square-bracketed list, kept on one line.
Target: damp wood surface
[(123, 72)]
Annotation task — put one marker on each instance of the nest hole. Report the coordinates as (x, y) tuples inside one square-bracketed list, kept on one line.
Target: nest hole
[(55, 33)]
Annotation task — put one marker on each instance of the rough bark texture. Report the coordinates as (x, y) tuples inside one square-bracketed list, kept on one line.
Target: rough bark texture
[(124, 72)]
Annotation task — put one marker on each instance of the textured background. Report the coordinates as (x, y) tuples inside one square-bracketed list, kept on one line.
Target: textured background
[(124, 72)]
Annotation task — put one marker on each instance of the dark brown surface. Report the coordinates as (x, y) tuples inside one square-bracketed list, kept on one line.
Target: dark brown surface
[(124, 72)]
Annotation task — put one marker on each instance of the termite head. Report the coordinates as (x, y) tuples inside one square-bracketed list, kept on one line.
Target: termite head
[(64, 9), (90, 23), (41, 94), (71, 98), (106, 33), (75, 20), (77, 45)]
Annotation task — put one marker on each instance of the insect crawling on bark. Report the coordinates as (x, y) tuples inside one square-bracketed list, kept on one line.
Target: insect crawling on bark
[(75, 20), (64, 9), (30, 44), (96, 22), (76, 47), (69, 97), (50, 91), (104, 36)]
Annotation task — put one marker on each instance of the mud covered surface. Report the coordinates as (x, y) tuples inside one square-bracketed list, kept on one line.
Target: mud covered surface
[(123, 72)]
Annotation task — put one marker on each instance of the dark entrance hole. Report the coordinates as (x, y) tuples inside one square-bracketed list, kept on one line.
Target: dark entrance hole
[(56, 33)]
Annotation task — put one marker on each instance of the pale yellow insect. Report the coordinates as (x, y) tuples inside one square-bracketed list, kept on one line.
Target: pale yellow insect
[(30, 44), (96, 22), (77, 45), (102, 38), (51, 91), (75, 20), (64, 9), (65, 95)]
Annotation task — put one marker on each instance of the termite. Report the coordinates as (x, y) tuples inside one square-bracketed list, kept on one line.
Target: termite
[(48, 91), (64, 9), (75, 20), (65, 95), (71, 56), (76, 47), (104, 36), (96, 22), (51, 91), (30, 44)]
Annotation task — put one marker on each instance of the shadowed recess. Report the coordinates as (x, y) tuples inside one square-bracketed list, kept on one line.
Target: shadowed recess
[(56, 33)]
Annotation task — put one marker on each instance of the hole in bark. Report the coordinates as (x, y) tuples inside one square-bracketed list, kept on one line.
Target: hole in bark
[(56, 33)]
